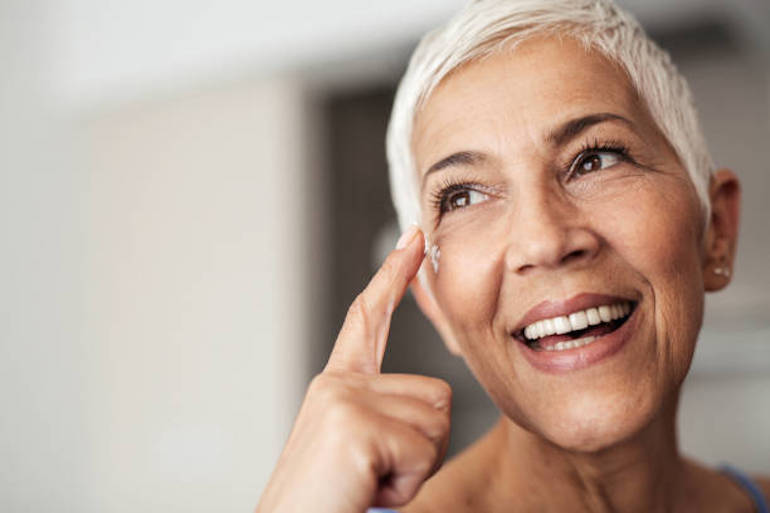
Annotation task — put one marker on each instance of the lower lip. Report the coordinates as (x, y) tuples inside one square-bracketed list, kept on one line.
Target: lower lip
[(556, 362)]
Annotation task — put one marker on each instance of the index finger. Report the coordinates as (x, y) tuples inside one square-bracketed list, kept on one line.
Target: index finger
[(360, 345)]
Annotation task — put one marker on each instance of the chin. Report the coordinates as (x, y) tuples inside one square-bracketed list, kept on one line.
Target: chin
[(591, 423)]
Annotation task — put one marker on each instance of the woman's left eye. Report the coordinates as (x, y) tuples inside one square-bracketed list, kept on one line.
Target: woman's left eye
[(595, 160)]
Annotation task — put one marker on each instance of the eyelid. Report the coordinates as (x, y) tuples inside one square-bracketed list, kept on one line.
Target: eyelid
[(613, 146), (451, 185), (583, 156), (445, 192)]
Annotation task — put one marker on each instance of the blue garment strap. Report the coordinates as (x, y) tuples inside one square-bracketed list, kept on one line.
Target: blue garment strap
[(747, 484)]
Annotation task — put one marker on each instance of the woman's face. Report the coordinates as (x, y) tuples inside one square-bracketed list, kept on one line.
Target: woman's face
[(549, 191)]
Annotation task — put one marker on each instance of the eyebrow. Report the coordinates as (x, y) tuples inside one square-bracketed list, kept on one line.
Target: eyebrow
[(461, 158), (557, 137), (574, 127)]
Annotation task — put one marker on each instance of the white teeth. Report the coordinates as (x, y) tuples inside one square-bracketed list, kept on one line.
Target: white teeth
[(579, 320), (576, 321), (562, 325), (570, 344)]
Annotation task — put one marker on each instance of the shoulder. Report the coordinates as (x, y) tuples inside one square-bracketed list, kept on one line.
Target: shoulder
[(749, 484), (763, 483), (461, 485), (447, 490)]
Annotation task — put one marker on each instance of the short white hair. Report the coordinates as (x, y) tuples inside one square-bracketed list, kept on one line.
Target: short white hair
[(486, 27)]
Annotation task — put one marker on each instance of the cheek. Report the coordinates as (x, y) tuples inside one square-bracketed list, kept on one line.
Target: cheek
[(651, 220), (658, 233), (658, 236), (467, 289), (466, 280)]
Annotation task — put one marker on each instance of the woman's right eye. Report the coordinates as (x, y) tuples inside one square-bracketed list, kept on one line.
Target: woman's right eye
[(461, 197)]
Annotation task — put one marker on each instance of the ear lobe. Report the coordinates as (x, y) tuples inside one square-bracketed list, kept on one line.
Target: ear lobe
[(722, 231), (427, 303)]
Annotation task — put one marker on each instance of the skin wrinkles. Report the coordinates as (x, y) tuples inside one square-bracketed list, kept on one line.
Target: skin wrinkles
[(487, 171), (459, 163), (557, 137), (602, 436)]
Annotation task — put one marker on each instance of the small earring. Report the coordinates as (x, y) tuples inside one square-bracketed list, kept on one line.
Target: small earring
[(722, 271)]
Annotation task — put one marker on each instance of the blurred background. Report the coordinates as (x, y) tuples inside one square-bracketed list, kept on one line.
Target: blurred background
[(191, 193)]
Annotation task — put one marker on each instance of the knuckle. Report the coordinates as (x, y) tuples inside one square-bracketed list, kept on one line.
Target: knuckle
[(341, 413), (320, 385), (360, 311), (342, 396), (341, 410), (437, 426), (428, 461), (319, 395), (442, 393), (327, 388)]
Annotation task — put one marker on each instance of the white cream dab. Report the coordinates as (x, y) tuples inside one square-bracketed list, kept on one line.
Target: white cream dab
[(435, 255)]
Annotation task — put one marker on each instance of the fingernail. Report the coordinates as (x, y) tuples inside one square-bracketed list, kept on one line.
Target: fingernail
[(407, 237)]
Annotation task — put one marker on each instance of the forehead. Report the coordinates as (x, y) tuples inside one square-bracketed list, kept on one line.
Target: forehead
[(518, 95)]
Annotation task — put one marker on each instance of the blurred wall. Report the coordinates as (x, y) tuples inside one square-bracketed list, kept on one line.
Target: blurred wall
[(195, 282), (43, 439), (154, 296)]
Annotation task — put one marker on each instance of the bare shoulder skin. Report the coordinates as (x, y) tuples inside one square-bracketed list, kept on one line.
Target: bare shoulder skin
[(462, 482), (476, 480)]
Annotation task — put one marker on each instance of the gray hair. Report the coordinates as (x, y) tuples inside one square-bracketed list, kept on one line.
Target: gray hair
[(485, 27)]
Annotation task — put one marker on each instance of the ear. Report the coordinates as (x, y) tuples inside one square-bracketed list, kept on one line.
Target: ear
[(427, 303), (721, 235)]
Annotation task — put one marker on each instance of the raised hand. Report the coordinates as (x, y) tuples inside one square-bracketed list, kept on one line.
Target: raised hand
[(363, 438)]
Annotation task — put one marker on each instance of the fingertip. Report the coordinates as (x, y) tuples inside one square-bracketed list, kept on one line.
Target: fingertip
[(421, 243), (424, 242)]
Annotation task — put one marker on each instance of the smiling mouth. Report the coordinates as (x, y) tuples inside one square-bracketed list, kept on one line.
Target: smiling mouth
[(578, 329)]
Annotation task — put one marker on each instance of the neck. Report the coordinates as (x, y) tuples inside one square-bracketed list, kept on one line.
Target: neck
[(643, 473)]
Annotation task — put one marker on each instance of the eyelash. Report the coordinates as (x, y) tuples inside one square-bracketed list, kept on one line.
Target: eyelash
[(588, 149), (441, 195), (444, 193)]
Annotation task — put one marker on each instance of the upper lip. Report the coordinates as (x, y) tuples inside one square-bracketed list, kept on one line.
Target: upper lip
[(557, 308)]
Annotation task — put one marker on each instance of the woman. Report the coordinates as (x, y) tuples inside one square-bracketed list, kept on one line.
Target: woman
[(573, 221)]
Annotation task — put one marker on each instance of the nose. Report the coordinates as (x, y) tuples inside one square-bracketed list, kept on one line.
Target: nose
[(548, 232)]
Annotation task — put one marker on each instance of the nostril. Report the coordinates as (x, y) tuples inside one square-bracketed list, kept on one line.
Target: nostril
[(524, 268)]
